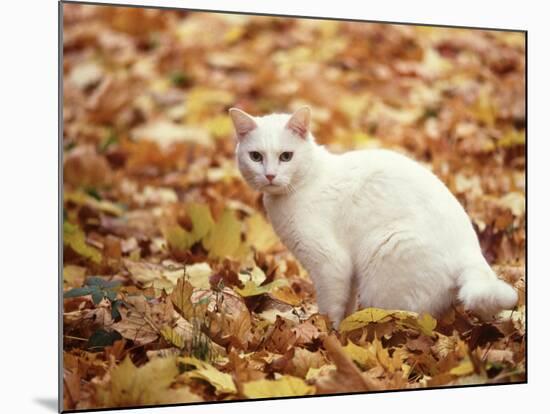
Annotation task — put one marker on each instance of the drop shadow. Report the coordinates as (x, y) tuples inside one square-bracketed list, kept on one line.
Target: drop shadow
[(49, 403)]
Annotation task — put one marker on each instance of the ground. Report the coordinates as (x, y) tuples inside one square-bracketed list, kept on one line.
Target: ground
[(175, 287)]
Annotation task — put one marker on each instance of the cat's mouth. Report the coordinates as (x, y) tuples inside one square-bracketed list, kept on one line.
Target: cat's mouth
[(273, 189)]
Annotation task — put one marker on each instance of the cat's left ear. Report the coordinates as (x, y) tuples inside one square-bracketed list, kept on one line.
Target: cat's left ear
[(242, 122), (299, 121)]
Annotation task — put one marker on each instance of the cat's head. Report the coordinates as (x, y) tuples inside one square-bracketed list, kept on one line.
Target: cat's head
[(274, 151)]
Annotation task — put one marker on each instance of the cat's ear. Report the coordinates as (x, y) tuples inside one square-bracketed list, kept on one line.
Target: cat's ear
[(242, 122), (299, 121)]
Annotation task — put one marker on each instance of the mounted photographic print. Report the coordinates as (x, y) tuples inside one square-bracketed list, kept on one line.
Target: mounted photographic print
[(260, 207)]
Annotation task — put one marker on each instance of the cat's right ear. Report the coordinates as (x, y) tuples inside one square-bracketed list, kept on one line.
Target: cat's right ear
[(242, 122)]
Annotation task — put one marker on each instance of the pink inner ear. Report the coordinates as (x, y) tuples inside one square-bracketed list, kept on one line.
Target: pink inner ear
[(297, 129), (243, 123), (245, 129)]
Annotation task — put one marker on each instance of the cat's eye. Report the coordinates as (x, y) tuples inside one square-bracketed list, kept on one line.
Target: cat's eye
[(255, 156), (286, 156)]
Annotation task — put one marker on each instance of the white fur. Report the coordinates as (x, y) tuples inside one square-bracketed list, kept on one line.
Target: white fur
[(371, 220)]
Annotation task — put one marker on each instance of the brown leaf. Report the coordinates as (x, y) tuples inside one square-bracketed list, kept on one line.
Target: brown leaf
[(282, 337), (347, 377), (83, 166)]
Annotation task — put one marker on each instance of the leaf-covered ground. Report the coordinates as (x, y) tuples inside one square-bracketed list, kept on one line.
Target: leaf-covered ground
[(176, 288)]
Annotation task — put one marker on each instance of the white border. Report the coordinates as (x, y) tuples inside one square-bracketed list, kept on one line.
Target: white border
[(28, 265)]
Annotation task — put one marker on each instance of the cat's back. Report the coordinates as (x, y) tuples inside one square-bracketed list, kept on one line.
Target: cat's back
[(385, 188), (395, 172)]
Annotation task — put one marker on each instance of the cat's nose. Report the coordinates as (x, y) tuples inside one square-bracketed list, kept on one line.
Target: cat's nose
[(270, 177)]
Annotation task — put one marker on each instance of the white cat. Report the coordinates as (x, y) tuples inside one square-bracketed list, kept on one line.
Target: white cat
[(371, 224)]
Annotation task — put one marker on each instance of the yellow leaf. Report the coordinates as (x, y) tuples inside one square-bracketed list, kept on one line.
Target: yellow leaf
[(427, 324), (484, 108), (233, 34), (512, 138), (81, 198), (251, 289), (368, 315), (260, 234), (75, 238), (424, 324), (256, 275), (201, 218), (221, 381), (360, 355), (146, 385), (73, 275), (513, 39), (202, 101), (219, 126), (198, 275), (286, 386), (181, 298), (315, 373), (224, 239), (177, 237), (180, 334), (464, 368), (286, 294), (381, 355), (202, 222)]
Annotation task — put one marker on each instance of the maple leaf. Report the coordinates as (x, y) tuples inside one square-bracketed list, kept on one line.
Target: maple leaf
[(259, 233), (304, 360), (424, 323), (141, 321), (224, 239), (147, 385), (251, 289), (222, 382), (202, 222), (285, 386)]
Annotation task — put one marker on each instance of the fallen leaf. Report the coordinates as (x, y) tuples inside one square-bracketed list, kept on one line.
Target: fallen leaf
[(224, 239), (202, 370), (260, 234), (147, 385), (251, 289), (73, 276), (285, 386), (304, 360), (166, 133), (360, 355), (424, 323), (464, 368), (346, 377), (75, 238)]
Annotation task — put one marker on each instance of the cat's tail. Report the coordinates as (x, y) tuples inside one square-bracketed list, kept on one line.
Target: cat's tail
[(483, 293)]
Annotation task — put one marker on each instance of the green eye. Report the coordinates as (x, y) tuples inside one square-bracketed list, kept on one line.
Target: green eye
[(286, 156), (255, 156)]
